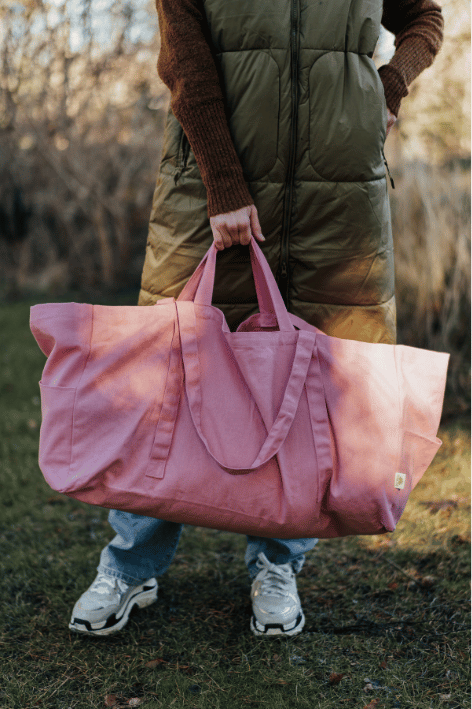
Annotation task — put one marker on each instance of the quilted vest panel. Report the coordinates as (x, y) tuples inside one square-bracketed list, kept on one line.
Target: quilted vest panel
[(307, 114), (342, 114)]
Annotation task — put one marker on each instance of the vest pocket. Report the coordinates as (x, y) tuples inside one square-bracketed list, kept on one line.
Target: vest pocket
[(182, 157), (55, 436), (184, 150), (348, 118), (385, 107), (252, 93), (171, 150)]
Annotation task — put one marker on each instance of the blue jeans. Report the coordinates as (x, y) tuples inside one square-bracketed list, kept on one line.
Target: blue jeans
[(144, 547)]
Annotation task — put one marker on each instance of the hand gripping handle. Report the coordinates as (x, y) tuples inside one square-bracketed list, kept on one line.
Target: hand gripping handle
[(199, 287)]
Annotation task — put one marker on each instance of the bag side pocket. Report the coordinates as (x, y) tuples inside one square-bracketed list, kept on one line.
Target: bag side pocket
[(422, 452), (55, 436), (416, 455)]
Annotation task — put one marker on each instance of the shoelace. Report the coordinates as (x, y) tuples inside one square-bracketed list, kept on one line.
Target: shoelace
[(275, 578), (103, 582)]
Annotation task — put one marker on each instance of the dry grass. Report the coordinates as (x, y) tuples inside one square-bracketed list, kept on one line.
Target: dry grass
[(431, 228)]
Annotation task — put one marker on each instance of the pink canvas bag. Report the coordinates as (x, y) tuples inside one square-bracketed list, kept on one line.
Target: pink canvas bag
[(274, 430)]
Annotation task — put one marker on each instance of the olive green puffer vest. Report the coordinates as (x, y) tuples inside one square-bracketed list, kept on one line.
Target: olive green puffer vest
[(308, 118)]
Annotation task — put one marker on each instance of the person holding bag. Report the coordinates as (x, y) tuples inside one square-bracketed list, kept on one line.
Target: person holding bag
[(275, 131)]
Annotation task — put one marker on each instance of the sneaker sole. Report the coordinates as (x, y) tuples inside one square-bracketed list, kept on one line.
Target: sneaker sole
[(111, 625), (277, 628)]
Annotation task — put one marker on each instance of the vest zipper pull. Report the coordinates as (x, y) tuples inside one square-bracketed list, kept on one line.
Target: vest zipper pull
[(386, 165)]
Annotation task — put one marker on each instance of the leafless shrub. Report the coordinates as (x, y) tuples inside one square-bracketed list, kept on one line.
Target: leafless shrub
[(80, 137)]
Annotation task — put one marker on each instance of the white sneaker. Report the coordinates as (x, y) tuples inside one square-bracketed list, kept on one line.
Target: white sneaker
[(105, 606), (275, 602)]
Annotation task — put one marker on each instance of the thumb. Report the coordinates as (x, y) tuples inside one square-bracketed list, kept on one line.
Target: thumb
[(255, 226)]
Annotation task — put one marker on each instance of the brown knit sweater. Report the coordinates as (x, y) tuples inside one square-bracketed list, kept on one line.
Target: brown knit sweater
[(186, 65)]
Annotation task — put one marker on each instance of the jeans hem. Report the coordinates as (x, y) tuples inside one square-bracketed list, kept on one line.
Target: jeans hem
[(130, 580)]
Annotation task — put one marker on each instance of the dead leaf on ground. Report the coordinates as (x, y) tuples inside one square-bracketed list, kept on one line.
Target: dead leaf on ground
[(55, 500), (113, 700), (436, 505), (335, 678), (428, 580), (459, 539), (154, 663), (372, 704)]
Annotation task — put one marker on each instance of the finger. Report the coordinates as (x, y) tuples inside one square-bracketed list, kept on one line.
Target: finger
[(255, 225), (226, 238), (217, 241), (218, 238), (245, 234), (234, 232)]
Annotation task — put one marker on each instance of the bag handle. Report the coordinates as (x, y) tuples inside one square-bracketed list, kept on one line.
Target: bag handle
[(199, 287), (306, 345)]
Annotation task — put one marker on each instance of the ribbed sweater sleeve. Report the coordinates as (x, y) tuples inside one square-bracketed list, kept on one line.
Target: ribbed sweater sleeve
[(187, 66), (418, 28)]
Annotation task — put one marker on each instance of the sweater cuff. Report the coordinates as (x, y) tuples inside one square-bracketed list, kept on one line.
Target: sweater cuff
[(394, 87), (228, 195)]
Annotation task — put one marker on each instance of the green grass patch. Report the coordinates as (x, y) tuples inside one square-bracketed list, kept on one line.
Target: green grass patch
[(387, 623)]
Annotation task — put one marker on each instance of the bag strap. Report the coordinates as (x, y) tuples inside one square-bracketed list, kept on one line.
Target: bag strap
[(199, 287), (306, 344), (169, 408)]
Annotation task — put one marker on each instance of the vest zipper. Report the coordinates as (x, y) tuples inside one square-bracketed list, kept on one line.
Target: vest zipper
[(283, 275), (386, 165), (183, 152)]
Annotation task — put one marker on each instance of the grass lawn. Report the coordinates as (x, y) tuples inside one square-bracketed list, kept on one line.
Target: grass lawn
[(387, 617)]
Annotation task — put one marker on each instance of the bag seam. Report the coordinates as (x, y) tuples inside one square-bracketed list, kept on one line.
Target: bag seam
[(77, 387)]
